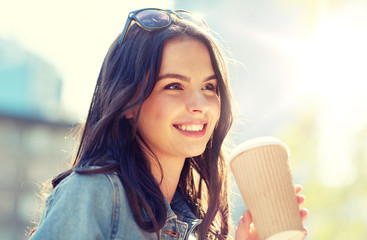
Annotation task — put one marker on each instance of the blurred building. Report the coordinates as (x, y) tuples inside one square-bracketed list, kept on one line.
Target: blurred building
[(33, 143)]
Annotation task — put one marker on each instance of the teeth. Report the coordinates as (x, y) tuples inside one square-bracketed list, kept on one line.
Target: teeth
[(191, 128)]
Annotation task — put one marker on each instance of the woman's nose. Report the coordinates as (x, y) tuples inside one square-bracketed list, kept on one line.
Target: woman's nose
[(197, 102)]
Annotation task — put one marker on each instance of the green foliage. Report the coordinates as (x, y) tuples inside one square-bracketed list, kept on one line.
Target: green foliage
[(339, 212)]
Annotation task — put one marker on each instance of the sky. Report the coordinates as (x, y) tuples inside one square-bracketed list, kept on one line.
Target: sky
[(74, 36), (329, 61), (337, 52)]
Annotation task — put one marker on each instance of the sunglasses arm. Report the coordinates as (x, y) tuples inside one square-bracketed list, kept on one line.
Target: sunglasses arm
[(126, 28)]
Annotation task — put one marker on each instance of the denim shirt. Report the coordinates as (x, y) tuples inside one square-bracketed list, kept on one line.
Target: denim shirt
[(95, 206)]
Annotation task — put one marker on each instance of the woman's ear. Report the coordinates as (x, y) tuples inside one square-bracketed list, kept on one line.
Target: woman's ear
[(131, 113)]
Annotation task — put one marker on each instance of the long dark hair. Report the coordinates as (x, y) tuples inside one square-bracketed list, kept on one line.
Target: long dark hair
[(111, 141)]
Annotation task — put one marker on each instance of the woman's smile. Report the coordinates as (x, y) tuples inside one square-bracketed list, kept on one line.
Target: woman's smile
[(192, 130)]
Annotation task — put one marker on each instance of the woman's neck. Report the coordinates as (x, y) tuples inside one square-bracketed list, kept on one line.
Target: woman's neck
[(171, 169)]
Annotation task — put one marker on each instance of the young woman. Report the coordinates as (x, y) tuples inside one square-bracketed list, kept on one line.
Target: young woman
[(149, 163)]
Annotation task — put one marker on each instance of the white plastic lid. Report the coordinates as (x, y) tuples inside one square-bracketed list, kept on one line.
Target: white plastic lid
[(257, 142), (287, 235)]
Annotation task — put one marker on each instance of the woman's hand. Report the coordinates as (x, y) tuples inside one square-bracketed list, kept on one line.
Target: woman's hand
[(246, 230)]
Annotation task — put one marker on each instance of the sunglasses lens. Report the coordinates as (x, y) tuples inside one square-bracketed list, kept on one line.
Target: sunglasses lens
[(153, 18)]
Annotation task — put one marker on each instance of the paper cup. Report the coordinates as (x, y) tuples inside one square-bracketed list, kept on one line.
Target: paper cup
[(261, 169)]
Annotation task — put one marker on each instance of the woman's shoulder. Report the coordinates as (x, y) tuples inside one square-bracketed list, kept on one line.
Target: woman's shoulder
[(98, 189), (84, 190), (83, 205), (88, 180), (77, 184)]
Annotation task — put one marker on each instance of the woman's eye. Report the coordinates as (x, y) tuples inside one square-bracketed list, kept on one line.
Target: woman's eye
[(174, 86), (210, 87)]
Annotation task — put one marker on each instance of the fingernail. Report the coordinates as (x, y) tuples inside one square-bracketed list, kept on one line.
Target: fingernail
[(304, 211)]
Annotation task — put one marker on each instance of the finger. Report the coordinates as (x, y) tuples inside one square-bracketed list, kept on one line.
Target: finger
[(243, 227), (298, 188), (305, 230), (300, 199), (304, 214), (248, 216), (253, 234)]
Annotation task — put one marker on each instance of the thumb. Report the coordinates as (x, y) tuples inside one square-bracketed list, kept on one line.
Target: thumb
[(243, 228)]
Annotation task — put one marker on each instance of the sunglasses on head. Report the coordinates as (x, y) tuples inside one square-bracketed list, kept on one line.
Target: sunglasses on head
[(152, 19)]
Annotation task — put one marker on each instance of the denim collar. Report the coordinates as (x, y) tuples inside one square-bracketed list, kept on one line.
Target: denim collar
[(180, 207), (180, 210)]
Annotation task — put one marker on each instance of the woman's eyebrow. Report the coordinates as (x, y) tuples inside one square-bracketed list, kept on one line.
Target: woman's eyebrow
[(212, 77), (182, 77), (174, 75)]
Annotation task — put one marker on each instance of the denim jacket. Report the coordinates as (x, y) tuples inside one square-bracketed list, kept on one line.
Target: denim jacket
[(95, 206)]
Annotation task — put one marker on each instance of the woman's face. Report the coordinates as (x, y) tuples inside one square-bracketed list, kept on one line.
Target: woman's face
[(178, 118)]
